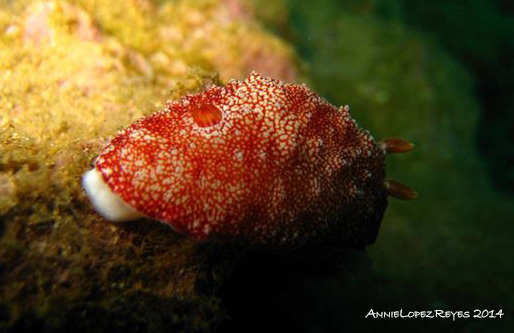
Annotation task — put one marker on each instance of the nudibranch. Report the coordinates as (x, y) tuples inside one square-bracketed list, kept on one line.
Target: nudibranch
[(257, 161)]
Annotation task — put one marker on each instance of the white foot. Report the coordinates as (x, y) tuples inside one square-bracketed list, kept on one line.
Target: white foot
[(105, 201)]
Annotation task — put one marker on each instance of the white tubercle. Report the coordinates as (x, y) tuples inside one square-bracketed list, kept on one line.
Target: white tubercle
[(105, 201)]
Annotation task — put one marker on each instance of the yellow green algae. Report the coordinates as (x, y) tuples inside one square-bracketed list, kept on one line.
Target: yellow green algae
[(72, 73)]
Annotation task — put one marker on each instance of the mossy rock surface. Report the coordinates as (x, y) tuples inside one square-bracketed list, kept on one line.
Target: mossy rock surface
[(72, 73)]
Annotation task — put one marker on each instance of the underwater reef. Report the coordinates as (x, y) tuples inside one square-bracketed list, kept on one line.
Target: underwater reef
[(74, 72)]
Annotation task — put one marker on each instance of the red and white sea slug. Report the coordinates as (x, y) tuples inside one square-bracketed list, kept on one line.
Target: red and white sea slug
[(258, 161)]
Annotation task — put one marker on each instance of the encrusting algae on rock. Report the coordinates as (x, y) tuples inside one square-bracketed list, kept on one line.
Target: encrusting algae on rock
[(259, 161), (71, 74)]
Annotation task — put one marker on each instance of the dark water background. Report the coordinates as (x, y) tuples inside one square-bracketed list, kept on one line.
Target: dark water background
[(439, 73)]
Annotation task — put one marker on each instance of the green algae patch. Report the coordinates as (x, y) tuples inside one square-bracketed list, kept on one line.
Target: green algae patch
[(72, 73), (449, 245), (421, 94)]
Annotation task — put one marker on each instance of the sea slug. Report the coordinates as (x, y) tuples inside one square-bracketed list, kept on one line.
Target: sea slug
[(261, 162)]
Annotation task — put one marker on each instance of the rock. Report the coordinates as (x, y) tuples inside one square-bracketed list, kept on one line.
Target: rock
[(71, 75)]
